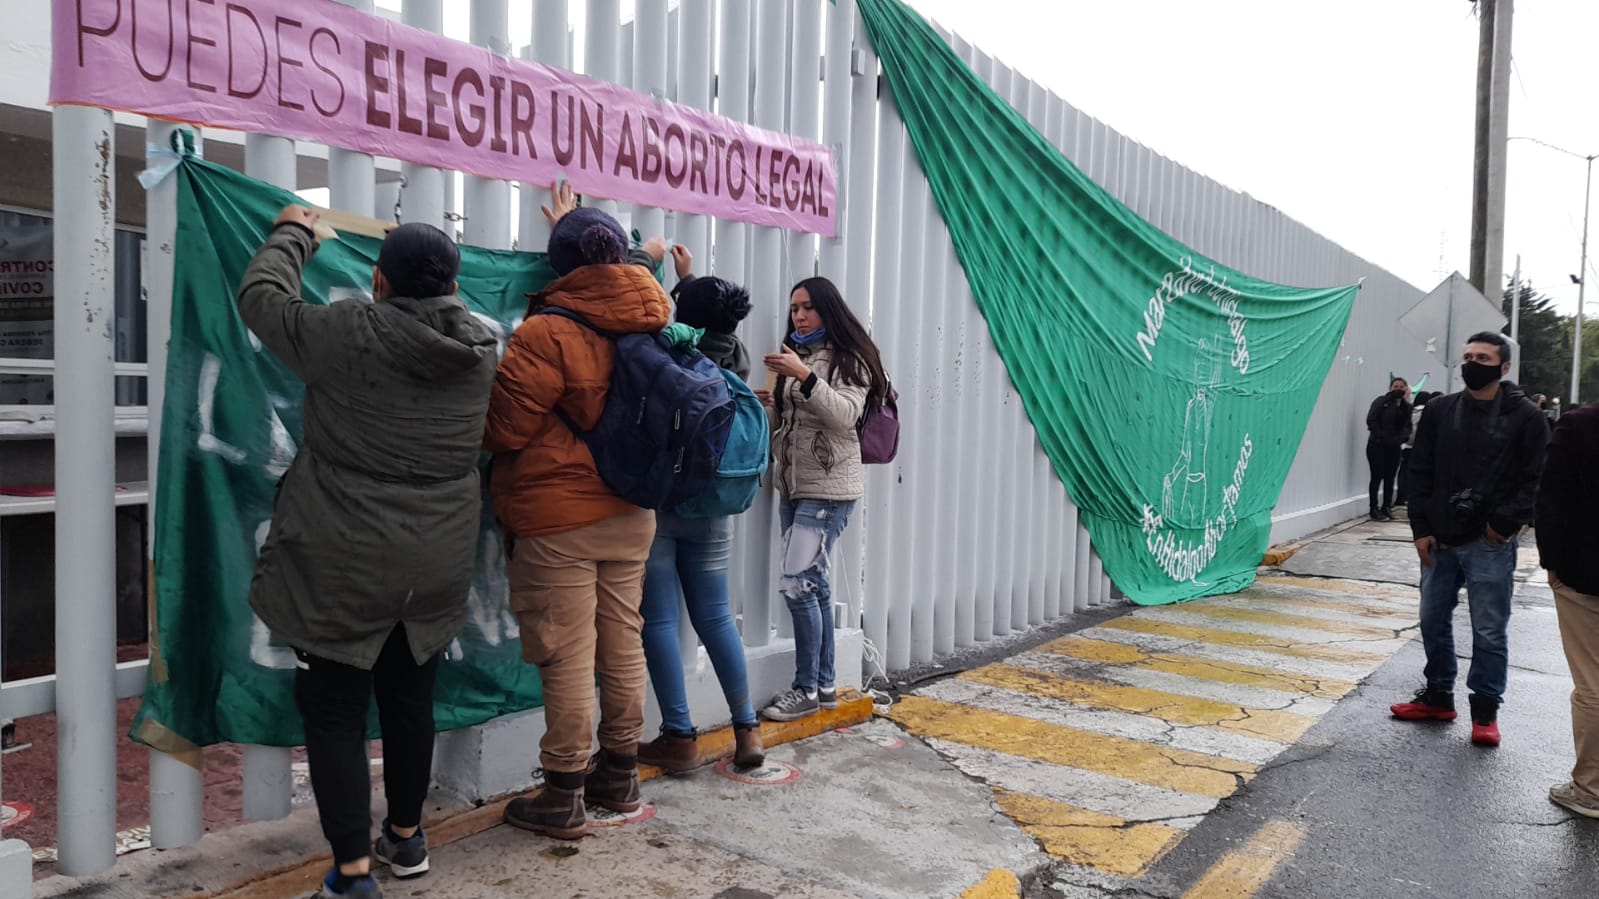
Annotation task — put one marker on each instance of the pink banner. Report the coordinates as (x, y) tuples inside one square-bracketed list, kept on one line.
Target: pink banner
[(322, 71)]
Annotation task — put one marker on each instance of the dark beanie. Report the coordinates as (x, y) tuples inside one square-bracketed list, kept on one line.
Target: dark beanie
[(715, 304), (419, 261), (586, 236)]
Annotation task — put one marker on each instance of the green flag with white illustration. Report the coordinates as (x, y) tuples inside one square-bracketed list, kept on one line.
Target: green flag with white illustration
[(1170, 392), (230, 425)]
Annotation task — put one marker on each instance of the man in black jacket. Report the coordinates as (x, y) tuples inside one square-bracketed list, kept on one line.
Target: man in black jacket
[(1568, 546), (1474, 476), (1389, 423)]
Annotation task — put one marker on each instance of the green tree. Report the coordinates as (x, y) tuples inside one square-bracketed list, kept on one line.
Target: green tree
[(1545, 346)]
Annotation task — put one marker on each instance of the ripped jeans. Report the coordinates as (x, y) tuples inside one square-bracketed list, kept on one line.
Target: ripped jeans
[(810, 528)]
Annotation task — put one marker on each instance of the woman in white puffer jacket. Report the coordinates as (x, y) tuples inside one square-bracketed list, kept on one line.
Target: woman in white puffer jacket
[(828, 373)]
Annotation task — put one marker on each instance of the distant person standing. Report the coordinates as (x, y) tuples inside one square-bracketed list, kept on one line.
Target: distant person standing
[(1568, 533), (1388, 422), (1403, 496), (1474, 474)]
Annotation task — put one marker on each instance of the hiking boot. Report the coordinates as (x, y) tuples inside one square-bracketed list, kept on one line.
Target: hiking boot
[(1569, 797), (363, 887), (555, 811), (1427, 705), (612, 782), (1484, 721), (796, 703), (827, 697), (672, 752), (406, 857), (747, 751)]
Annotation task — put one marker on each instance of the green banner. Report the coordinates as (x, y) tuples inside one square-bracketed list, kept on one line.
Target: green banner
[(1169, 391), (230, 425)]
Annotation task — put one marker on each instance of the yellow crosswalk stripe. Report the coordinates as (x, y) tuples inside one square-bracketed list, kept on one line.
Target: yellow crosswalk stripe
[(1375, 610), (1283, 619), (1261, 642), (1175, 769), (1175, 663), (1390, 592), (1091, 839), (1284, 727), (1242, 872)]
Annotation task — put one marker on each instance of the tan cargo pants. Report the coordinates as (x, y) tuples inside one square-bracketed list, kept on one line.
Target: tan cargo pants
[(576, 597)]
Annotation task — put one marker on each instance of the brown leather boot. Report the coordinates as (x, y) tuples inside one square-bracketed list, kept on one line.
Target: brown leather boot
[(747, 752), (612, 782), (555, 811), (672, 752)]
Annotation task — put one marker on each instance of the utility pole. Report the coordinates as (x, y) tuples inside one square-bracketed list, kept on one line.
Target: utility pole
[(1488, 176), (1493, 263), (1582, 289), (1515, 321)]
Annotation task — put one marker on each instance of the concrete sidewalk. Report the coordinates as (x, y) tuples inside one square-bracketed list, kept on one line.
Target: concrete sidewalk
[(1147, 752)]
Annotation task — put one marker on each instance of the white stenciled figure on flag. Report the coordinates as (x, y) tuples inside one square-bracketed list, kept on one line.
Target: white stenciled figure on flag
[(1183, 499)]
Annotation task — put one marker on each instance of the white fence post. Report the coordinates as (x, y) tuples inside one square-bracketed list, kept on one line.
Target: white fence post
[(177, 783), (84, 175), (486, 202), (268, 784)]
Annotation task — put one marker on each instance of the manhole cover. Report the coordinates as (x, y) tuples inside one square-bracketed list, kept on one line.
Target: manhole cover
[(604, 817), (769, 774)]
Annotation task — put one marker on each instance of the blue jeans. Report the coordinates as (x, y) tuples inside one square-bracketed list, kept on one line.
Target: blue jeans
[(689, 558), (1488, 574), (810, 528)]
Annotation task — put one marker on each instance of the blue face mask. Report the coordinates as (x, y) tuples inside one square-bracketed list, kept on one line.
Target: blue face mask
[(811, 339)]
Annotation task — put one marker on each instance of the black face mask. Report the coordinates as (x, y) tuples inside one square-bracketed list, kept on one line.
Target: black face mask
[(1477, 375)]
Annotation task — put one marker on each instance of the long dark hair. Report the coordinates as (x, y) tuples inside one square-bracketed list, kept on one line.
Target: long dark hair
[(855, 357)]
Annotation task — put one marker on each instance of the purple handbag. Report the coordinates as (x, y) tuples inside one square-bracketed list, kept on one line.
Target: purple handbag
[(879, 430)]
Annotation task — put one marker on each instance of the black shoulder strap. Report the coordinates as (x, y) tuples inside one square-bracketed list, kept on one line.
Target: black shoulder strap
[(568, 314)]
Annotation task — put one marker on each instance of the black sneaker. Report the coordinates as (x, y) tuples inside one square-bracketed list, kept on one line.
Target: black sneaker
[(827, 697), (407, 857), (796, 703)]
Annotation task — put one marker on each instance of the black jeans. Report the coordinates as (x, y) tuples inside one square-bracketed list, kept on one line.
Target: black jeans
[(1384, 461), (333, 699)]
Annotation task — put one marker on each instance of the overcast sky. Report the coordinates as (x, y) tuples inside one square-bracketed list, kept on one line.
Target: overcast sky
[(1354, 117)]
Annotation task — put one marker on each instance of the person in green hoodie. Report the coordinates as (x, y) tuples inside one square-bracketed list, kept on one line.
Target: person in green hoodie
[(366, 569)]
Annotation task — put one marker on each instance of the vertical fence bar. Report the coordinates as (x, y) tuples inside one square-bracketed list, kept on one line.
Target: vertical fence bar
[(267, 780), (926, 483), (902, 315), (802, 73), (1082, 574), (423, 189), (967, 445), (846, 256), (176, 781), (1039, 487), (649, 77), (885, 242), (1023, 529), (486, 202), (770, 295), (352, 179), (84, 176), (550, 48), (694, 57), (992, 476), (602, 30)]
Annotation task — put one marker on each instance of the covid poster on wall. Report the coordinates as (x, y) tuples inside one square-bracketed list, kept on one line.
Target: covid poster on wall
[(27, 309)]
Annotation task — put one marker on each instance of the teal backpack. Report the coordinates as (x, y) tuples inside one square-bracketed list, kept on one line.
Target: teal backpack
[(749, 447)]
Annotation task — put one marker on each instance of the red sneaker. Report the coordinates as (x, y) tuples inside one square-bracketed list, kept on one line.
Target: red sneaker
[(1485, 734), (1427, 705)]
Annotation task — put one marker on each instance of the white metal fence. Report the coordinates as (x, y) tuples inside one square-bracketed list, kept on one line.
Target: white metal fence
[(968, 536)]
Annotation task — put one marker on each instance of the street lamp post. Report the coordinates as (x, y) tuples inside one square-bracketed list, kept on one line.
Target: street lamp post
[(1582, 287), (1582, 273)]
